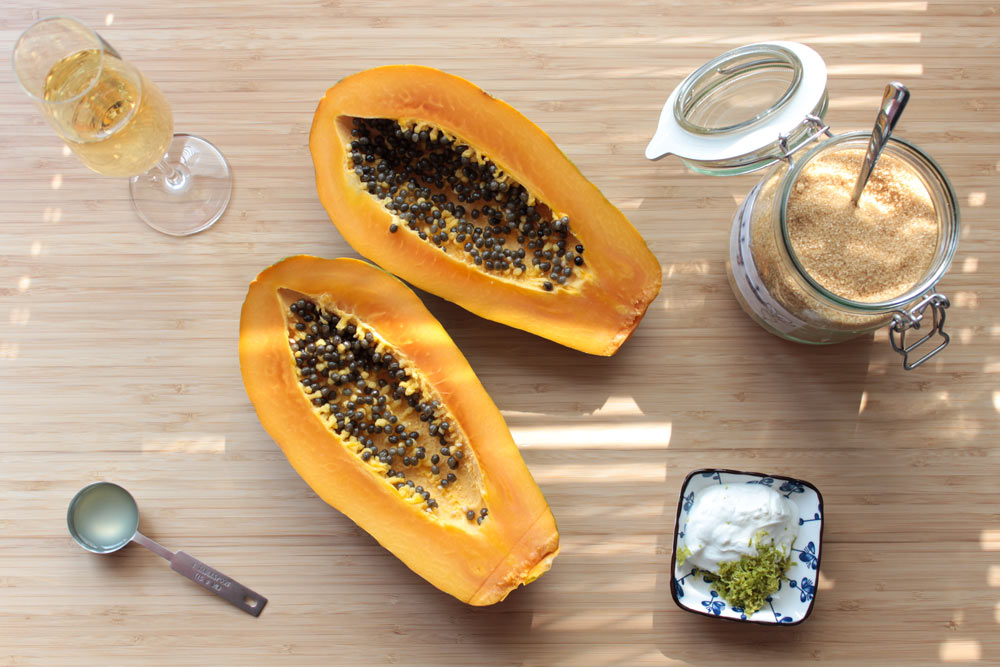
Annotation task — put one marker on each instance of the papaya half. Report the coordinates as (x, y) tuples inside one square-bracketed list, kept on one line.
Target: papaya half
[(379, 412), (459, 194)]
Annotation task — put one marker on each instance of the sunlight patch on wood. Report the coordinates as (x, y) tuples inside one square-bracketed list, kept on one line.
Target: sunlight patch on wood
[(877, 69), (967, 300), (866, 38), (618, 473), (595, 434), (629, 204), (852, 7), (201, 443), (960, 650), (20, 316), (618, 406), (989, 540)]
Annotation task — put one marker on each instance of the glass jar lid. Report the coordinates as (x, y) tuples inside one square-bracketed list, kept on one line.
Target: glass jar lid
[(744, 109)]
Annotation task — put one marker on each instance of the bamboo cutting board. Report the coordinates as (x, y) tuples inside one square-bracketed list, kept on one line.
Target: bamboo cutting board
[(118, 355)]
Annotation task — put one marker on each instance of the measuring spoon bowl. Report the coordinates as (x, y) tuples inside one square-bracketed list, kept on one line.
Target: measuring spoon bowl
[(103, 517)]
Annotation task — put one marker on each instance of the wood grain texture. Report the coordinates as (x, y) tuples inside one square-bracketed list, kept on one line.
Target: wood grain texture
[(118, 355)]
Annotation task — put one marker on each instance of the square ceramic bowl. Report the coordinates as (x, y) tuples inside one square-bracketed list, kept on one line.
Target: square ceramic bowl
[(793, 601)]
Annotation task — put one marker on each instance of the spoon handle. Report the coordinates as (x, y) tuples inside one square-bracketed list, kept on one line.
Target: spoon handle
[(893, 101), (212, 580), (152, 545), (207, 577)]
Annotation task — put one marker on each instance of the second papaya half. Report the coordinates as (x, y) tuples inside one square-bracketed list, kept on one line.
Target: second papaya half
[(382, 416), (459, 194)]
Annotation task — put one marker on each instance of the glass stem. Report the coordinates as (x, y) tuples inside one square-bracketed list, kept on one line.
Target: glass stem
[(171, 175)]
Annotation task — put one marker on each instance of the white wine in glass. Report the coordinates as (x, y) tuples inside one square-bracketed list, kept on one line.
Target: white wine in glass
[(119, 124)]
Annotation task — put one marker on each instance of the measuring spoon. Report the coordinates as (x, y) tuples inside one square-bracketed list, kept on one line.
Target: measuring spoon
[(104, 517), (893, 102)]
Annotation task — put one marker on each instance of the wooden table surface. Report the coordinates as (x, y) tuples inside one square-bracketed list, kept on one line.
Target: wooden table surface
[(118, 355)]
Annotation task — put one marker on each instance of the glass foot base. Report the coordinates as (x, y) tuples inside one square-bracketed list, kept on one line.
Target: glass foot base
[(191, 195)]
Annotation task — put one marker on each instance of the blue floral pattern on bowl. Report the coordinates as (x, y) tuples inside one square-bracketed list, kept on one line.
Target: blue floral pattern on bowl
[(795, 597)]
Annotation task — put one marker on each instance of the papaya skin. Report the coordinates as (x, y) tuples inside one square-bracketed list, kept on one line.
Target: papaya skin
[(477, 563), (595, 314)]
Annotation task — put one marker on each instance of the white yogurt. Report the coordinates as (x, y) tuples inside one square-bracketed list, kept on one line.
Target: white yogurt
[(725, 520)]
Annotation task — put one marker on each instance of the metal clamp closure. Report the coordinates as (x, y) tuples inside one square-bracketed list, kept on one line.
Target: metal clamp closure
[(810, 119), (903, 320)]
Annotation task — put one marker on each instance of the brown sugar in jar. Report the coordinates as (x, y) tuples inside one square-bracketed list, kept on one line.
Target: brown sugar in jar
[(809, 266), (871, 252)]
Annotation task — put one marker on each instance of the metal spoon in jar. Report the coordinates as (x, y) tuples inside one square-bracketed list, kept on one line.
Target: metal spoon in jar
[(893, 101), (104, 517)]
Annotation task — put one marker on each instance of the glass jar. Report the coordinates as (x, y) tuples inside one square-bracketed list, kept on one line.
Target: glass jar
[(774, 288), (720, 110)]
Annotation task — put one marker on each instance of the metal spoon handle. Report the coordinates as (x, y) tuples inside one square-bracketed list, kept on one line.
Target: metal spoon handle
[(211, 579), (207, 577), (152, 545), (893, 101)]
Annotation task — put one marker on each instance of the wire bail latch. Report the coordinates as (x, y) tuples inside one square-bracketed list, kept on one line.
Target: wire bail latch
[(904, 320)]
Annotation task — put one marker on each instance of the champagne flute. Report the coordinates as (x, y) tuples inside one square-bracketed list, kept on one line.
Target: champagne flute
[(119, 124)]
